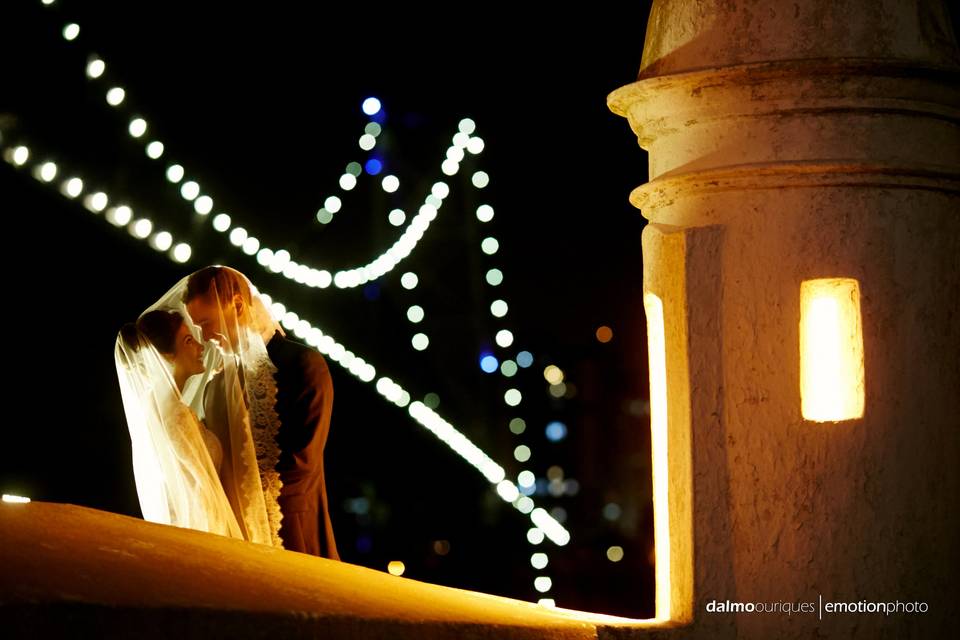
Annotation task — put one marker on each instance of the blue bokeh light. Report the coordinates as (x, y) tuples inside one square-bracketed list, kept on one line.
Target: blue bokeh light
[(524, 359), (489, 363), (373, 167), (556, 431)]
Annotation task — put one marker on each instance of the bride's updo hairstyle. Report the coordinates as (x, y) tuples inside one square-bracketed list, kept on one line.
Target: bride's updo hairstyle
[(159, 326)]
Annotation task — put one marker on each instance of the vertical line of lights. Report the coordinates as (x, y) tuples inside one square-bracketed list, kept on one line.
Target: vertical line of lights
[(504, 339)]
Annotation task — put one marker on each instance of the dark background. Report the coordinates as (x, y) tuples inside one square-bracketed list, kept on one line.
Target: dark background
[(262, 107)]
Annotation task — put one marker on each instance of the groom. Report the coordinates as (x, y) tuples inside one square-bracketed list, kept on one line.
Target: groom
[(303, 404)]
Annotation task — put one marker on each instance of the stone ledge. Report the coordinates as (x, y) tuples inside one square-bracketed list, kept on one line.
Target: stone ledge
[(70, 571)]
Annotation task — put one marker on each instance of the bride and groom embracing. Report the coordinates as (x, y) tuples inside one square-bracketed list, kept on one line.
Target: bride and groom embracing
[(228, 418)]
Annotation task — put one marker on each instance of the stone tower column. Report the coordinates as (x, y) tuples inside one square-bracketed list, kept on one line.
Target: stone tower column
[(791, 142)]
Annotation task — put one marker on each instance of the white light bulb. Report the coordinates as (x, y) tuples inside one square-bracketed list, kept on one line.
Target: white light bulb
[(221, 222), (48, 171), (367, 142), (420, 341), (181, 252), (20, 156), (142, 228), (203, 205), (138, 127), (397, 217), (484, 213), (71, 31), (526, 478), (512, 397), (415, 313), (174, 173), (162, 241), (507, 490), (475, 145), (96, 201), (542, 584), (115, 96), (494, 277), (332, 204), (480, 179), (489, 246), (390, 183), (449, 167), (371, 106), (95, 68), (189, 190), (155, 149), (524, 504), (238, 236), (348, 181), (73, 187), (440, 190), (120, 216)]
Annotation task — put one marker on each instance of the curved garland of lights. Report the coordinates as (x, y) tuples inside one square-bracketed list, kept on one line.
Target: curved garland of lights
[(280, 261), (142, 229)]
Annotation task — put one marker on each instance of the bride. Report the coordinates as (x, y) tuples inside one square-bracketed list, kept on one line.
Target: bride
[(186, 474)]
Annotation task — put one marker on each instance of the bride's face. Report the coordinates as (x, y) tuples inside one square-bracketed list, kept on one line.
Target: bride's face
[(188, 357)]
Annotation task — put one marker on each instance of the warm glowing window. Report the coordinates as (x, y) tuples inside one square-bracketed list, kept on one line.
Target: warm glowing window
[(831, 350), (656, 346)]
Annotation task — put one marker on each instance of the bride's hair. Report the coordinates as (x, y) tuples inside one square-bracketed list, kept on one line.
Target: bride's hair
[(158, 326)]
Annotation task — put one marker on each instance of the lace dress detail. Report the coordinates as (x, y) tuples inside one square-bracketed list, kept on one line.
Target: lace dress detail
[(261, 390)]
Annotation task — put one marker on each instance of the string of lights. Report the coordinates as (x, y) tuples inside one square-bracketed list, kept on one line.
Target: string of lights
[(142, 229), (508, 368), (281, 261), (373, 166)]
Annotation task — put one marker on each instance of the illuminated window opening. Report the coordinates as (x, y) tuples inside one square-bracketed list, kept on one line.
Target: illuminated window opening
[(831, 350)]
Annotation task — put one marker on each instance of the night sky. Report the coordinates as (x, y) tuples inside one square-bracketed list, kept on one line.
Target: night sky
[(263, 109)]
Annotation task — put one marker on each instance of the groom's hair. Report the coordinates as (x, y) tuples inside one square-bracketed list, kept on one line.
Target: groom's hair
[(229, 282)]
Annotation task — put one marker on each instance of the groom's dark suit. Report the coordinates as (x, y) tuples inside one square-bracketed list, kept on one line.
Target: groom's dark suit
[(304, 403)]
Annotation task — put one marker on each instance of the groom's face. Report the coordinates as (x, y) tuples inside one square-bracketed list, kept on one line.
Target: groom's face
[(207, 314)]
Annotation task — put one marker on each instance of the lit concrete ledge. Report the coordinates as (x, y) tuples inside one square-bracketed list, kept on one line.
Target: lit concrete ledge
[(68, 571)]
